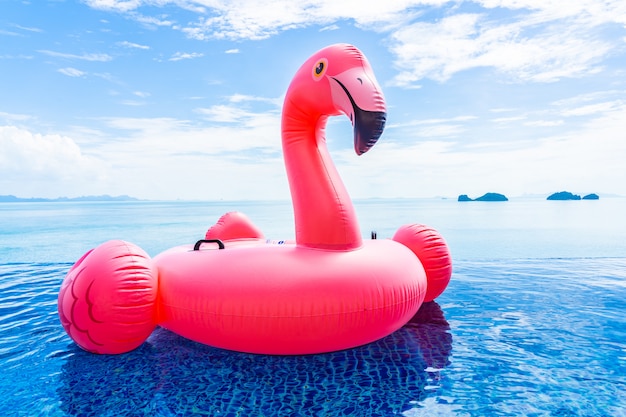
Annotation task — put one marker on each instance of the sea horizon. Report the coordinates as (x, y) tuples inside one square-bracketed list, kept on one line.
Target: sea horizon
[(518, 228), (10, 198)]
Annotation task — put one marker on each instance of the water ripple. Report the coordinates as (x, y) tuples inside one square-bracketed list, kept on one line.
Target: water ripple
[(509, 337)]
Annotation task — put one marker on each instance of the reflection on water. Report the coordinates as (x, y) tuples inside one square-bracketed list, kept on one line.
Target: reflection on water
[(170, 375)]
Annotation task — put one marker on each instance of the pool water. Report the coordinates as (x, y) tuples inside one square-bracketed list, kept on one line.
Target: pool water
[(509, 337)]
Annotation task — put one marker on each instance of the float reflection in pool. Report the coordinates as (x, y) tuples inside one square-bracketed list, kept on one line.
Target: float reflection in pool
[(160, 377)]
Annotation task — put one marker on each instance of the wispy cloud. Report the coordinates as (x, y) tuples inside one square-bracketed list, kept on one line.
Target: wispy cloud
[(16, 56), (84, 57), (152, 20), (464, 118), (14, 116), (242, 98), (72, 72), (9, 33), (127, 44), (133, 103), (252, 131), (234, 112), (485, 121), (502, 110), (114, 5), (540, 42), (250, 19), (28, 29), (178, 56), (596, 108), (509, 119), (544, 123), (530, 165), (583, 99), (222, 114), (108, 77)]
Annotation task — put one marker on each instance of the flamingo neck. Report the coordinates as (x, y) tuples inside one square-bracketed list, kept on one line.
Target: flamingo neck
[(324, 215)]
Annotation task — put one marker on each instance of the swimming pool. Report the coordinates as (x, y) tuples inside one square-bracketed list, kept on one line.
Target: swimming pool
[(539, 337)]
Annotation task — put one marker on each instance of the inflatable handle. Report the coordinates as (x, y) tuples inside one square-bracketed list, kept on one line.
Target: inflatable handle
[(220, 244)]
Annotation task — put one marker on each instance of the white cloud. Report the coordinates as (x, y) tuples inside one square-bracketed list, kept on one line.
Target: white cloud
[(595, 108), (241, 98), (250, 19), (115, 5), (232, 51), (430, 129), (34, 164), (589, 157), (14, 116), (232, 150), (544, 123), (221, 113), (84, 57), (238, 157), (178, 56), (152, 21), (456, 119), (9, 33), (71, 72), (527, 47), (439, 130), (108, 77), (230, 130), (170, 158), (508, 119), (328, 28), (29, 29), (592, 12), (127, 44), (133, 103), (540, 41)]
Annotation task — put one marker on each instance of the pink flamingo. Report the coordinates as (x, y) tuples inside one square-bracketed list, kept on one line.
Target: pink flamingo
[(328, 290)]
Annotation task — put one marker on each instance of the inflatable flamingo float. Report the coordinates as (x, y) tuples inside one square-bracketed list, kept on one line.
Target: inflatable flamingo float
[(329, 290)]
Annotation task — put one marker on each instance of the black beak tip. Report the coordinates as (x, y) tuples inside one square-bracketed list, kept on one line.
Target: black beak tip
[(368, 128)]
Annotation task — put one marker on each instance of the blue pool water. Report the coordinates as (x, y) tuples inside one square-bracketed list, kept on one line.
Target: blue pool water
[(512, 335)]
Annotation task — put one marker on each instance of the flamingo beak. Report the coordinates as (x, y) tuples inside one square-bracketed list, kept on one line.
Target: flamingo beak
[(368, 127), (355, 88)]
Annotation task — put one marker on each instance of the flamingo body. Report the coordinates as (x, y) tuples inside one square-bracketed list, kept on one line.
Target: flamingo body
[(287, 299), (325, 291)]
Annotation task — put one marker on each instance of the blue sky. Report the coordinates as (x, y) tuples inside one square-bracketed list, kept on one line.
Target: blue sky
[(181, 99)]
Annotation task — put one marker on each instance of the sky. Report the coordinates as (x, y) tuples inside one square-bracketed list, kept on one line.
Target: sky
[(182, 99)]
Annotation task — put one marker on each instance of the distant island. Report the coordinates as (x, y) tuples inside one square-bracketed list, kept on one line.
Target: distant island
[(566, 195), (14, 199), (486, 197)]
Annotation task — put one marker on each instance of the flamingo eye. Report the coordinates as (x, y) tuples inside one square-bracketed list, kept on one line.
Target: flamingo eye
[(319, 69)]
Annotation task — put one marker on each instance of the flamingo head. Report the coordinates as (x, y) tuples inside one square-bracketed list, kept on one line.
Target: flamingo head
[(339, 80)]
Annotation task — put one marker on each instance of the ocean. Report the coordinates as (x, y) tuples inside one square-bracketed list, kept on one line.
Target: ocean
[(532, 322), (524, 228)]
